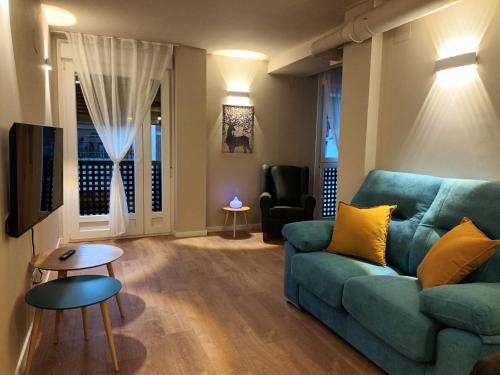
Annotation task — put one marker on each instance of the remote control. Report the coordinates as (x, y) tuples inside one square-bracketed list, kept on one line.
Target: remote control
[(67, 254)]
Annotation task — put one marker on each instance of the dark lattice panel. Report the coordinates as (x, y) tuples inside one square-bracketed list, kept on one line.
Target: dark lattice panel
[(329, 191), (47, 183), (94, 179), (128, 176), (156, 185)]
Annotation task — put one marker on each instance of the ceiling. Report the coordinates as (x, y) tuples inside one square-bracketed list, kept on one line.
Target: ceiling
[(267, 26)]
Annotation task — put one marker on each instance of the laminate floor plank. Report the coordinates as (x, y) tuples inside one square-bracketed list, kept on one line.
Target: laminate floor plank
[(205, 305)]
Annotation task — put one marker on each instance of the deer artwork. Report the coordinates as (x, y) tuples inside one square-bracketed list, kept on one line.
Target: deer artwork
[(240, 141)]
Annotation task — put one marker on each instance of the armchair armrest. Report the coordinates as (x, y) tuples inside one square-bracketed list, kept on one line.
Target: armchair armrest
[(309, 236), (308, 202), (472, 307), (265, 202)]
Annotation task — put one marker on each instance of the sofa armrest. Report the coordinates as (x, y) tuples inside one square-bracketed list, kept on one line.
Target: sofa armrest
[(309, 203), (265, 202), (473, 307), (309, 236)]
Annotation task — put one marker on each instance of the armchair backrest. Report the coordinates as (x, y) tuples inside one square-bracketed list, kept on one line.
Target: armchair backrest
[(285, 183)]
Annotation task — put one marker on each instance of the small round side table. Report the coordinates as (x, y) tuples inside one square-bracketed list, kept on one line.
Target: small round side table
[(86, 256), (74, 292), (228, 210)]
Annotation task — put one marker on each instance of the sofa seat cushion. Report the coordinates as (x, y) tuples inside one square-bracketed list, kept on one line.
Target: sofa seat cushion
[(324, 274), (287, 212), (389, 307)]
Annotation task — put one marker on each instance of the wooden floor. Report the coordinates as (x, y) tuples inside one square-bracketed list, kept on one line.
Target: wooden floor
[(207, 305)]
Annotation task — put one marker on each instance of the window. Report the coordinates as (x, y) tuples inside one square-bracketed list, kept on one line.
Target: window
[(95, 168), (330, 94)]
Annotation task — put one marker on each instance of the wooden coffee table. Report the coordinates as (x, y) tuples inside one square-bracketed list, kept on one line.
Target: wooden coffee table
[(86, 256), (74, 292)]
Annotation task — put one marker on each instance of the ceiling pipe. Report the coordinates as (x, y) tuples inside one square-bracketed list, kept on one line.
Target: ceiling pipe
[(387, 16)]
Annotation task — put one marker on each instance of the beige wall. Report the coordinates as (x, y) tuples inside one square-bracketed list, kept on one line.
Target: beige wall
[(428, 128), (284, 133), (190, 136), (354, 118), (24, 97)]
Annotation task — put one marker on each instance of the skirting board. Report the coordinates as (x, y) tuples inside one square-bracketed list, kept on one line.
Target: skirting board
[(24, 349), (228, 228), (194, 233)]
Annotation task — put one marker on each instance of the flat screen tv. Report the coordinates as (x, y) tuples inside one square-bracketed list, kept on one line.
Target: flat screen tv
[(36, 175)]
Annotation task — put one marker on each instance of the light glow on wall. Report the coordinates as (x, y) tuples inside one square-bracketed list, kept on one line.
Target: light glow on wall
[(238, 86), (58, 16), (240, 54), (458, 76)]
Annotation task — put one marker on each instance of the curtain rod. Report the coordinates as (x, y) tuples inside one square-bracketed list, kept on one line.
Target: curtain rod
[(109, 36)]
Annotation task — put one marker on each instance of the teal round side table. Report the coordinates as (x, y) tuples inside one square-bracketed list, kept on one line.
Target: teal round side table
[(74, 292)]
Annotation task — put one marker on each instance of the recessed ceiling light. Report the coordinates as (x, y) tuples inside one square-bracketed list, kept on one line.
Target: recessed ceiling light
[(240, 54), (57, 16)]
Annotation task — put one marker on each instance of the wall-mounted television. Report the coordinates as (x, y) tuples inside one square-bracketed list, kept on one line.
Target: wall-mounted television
[(36, 175)]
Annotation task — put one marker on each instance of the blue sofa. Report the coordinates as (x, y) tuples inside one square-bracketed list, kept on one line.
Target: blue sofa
[(383, 311)]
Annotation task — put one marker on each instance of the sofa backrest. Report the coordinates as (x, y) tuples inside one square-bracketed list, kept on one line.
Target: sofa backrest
[(478, 200), (413, 195)]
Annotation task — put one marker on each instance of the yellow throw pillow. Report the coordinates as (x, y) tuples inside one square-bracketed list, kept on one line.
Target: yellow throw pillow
[(459, 252), (361, 232)]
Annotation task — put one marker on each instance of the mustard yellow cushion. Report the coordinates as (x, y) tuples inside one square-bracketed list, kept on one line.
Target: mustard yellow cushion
[(361, 232), (458, 253)]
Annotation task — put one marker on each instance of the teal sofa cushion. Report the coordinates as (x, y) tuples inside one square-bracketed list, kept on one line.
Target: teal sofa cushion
[(473, 307), (478, 200), (309, 235), (388, 306), (412, 193), (324, 274)]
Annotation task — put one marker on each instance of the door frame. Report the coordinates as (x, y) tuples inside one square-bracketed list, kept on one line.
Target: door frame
[(97, 226)]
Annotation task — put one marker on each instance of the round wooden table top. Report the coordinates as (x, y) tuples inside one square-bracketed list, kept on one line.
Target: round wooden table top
[(86, 256), (241, 209), (73, 292)]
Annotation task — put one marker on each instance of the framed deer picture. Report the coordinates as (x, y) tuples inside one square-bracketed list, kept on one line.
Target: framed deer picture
[(237, 128)]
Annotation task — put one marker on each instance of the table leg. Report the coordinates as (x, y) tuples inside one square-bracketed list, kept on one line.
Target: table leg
[(246, 221), (111, 273), (85, 325), (234, 225), (225, 219), (109, 333), (34, 337), (59, 313)]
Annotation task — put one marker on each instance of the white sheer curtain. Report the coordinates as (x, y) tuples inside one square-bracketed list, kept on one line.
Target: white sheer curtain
[(119, 79), (331, 92)]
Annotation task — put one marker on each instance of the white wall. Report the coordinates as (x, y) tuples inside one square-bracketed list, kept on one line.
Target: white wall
[(284, 133), (24, 97), (428, 128)]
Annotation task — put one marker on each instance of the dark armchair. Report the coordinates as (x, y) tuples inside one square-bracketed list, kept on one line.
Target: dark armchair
[(284, 197)]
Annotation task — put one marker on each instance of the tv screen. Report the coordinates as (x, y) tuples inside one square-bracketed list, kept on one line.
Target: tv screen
[(36, 175)]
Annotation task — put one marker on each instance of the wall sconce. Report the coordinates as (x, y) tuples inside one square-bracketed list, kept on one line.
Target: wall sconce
[(456, 70), (456, 61), (240, 94), (48, 66)]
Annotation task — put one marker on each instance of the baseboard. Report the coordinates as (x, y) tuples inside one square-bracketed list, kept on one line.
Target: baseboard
[(24, 349), (194, 233), (228, 228)]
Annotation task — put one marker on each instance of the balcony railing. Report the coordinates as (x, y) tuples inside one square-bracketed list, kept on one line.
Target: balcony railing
[(94, 179), (329, 194)]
